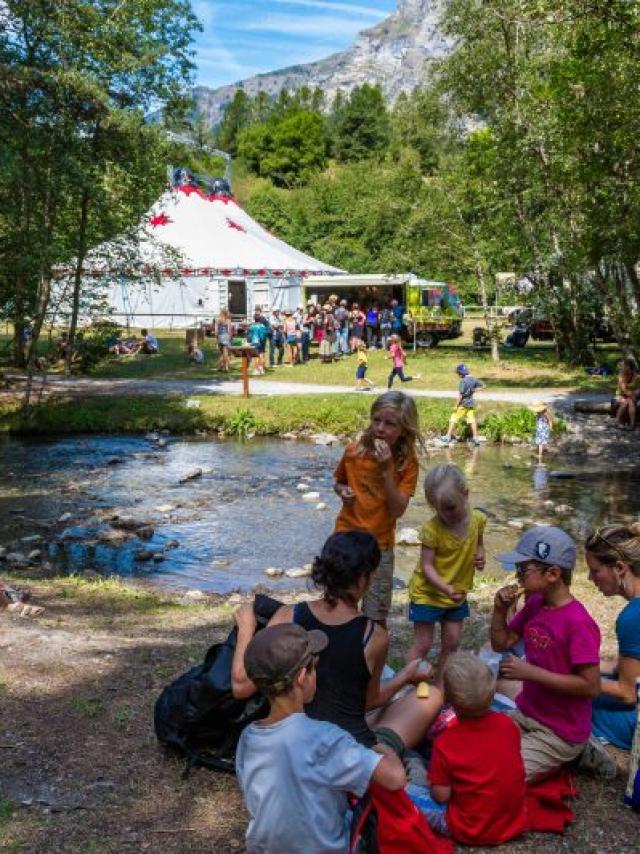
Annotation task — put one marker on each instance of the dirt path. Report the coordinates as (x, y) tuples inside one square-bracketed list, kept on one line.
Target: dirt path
[(88, 386), (82, 772)]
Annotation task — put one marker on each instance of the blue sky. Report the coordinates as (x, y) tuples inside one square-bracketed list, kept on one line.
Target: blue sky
[(245, 37)]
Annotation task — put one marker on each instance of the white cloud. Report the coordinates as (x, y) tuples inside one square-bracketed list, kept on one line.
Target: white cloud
[(219, 58), (205, 12), (322, 26)]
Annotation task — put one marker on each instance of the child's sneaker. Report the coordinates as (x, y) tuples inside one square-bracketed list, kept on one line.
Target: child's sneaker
[(595, 758)]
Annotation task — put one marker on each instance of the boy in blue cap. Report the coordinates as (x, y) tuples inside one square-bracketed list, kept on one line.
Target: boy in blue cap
[(465, 406)]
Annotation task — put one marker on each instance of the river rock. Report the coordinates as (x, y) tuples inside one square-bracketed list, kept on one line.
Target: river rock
[(146, 532), (164, 508), (299, 572), (310, 496), (34, 555), (518, 524), (322, 505), (65, 517), (221, 561), (408, 537), (550, 505), (16, 557), (192, 596), (274, 571), (302, 487), (126, 523), (324, 439), (290, 436), (116, 461), (33, 538), (191, 475), (161, 443), (112, 538), (563, 508), (152, 437), (3, 553), (158, 557), (144, 555), (172, 544)]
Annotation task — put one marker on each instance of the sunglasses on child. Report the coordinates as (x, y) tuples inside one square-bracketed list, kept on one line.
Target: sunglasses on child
[(527, 566)]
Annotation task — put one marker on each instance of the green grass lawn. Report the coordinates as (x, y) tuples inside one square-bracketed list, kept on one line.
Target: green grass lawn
[(533, 367)]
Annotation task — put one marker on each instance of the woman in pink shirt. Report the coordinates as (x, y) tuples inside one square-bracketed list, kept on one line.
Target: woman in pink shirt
[(399, 359)]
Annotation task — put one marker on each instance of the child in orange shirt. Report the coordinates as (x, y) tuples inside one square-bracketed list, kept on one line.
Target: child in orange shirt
[(375, 479)]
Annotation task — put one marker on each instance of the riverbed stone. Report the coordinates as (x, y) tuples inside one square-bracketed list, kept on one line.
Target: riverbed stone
[(408, 537), (3, 553), (303, 487), (144, 555), (34, 555), (194, 474), (299, 571), (164, 508), (16, 557), (324, 439), (146, 532), (310, 496), (116, 461), (518, 524), (274, 571), (172, 544), (32, 538), (322, 505), (112, 538), (66, 517)]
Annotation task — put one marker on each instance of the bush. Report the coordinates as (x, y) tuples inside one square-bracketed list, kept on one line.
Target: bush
[(517, 423)]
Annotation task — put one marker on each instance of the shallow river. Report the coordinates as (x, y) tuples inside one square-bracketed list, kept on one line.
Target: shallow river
[(221, 531)]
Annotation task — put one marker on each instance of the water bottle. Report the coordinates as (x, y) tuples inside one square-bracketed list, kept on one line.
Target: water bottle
[(632, 794)]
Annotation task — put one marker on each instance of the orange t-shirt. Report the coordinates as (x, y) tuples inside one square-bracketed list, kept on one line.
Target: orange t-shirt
[(369, 510)]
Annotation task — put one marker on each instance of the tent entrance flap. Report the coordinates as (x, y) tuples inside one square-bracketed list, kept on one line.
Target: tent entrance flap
[(238, 297)]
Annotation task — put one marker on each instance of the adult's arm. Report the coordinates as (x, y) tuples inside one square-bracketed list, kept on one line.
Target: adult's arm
[(623, 688), (241, 686)]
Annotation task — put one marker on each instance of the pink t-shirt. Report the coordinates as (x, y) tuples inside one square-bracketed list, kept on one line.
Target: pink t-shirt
[(559, 640), (395, 351)]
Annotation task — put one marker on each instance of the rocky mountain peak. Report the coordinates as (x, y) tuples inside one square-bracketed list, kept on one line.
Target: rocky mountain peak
[(392, 54)]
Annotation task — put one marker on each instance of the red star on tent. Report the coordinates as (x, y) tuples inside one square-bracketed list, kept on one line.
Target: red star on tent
[(159, 219), (235, 225)]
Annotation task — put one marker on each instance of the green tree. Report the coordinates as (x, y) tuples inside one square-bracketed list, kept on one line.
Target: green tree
[(77, 158), (238, 114), (361, 125)]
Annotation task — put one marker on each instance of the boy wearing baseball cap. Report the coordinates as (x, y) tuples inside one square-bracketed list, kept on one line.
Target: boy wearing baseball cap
[(295, 772), (561, 673), (464, 411)]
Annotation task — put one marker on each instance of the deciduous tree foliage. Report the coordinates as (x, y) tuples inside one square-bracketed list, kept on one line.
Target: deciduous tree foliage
[(77, 161)]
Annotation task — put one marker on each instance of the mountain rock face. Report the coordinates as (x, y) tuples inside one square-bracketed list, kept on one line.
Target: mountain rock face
[(392, 54)]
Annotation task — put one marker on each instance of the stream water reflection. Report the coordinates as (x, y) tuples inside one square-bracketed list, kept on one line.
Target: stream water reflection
[(219, 532)]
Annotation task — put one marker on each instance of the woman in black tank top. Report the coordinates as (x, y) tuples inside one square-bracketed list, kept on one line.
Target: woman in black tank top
[(349, 669)]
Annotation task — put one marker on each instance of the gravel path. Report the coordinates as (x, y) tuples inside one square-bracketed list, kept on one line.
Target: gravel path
[(87, 386)]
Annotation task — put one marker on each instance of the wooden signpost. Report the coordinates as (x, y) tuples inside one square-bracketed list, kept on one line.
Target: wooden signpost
[(246, 353)]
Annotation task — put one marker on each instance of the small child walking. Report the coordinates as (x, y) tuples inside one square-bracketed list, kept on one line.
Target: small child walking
[(544, 425), (375, 479), (362, 383), (465, 406), (452, 551), (399, 359)]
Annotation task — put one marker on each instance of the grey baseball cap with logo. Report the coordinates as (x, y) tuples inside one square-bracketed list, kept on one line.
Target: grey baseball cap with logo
[(277, 653), (543, 543)]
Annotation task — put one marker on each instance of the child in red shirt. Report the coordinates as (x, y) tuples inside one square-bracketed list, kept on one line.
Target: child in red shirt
[(476, 768)]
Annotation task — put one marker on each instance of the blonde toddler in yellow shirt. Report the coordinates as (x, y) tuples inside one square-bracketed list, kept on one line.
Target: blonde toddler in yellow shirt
[(452, 551)]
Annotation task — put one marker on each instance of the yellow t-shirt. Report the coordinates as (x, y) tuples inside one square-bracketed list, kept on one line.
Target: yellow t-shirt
[(362, 358), (453, 560)]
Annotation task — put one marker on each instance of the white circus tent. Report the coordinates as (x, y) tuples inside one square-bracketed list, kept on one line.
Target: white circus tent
[(196, 252)]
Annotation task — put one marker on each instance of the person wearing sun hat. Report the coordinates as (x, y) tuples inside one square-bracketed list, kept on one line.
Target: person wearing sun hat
[(544, 424), (296, 772), (561, 673)]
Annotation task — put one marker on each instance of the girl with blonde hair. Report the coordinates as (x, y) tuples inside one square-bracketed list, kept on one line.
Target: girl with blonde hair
[(452, 551), (375, 479)]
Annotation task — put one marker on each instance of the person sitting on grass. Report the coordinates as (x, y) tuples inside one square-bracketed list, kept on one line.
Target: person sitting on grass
[(476, 774), (295, 772), (149, 344), (195, 354), (561, 673), (465, 406)]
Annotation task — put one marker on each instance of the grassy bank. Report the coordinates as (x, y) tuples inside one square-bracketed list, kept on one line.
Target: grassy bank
[(341, 414)]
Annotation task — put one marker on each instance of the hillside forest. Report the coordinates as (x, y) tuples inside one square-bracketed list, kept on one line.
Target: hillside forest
[(520, 152)]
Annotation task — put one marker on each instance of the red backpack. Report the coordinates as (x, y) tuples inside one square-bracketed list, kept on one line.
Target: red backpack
[(387, 822)]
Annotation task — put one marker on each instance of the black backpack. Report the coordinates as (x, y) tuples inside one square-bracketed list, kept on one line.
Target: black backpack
[(198, 716)]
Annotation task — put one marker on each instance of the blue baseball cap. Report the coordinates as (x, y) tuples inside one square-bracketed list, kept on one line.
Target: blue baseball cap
[(462, 369), (543, 543)]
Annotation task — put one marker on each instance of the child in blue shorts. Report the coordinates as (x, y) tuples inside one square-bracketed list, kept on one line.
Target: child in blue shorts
[(452, 550)]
